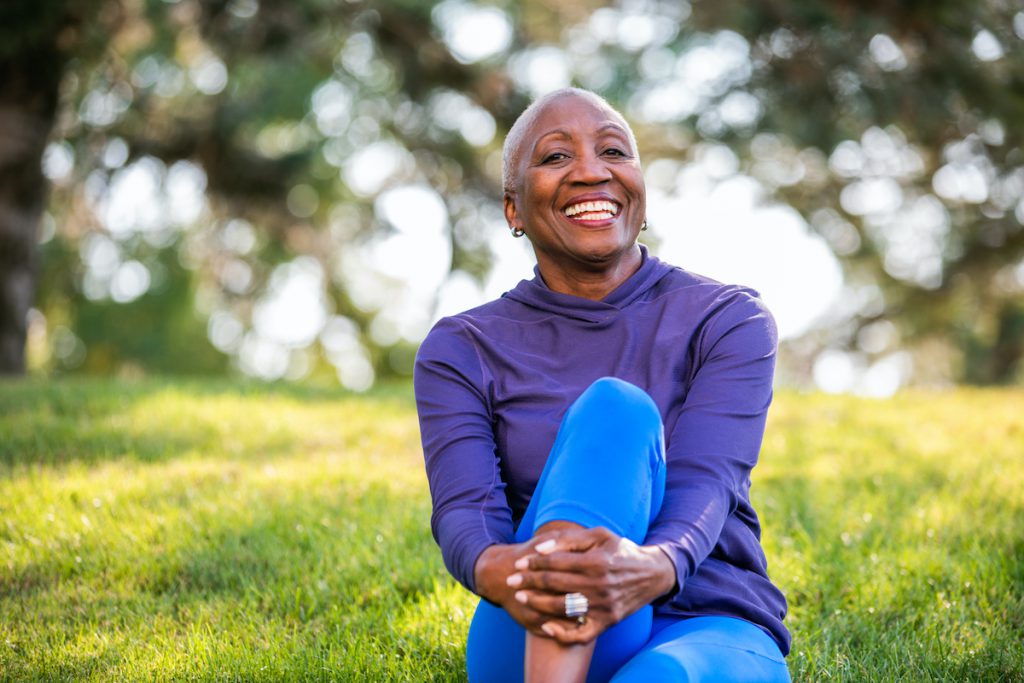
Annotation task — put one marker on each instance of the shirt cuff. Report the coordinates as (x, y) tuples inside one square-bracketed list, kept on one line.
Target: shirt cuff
[(462, 540), (672, 551)]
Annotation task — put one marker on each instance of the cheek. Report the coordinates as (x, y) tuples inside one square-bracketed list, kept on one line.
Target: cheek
[(639, 198), (638, 188), (533, 190), (633, 180)]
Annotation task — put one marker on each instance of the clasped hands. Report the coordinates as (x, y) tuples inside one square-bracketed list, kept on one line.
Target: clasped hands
[(530, 580)]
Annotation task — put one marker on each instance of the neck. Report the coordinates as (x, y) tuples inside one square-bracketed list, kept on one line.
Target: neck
[(595, 283)]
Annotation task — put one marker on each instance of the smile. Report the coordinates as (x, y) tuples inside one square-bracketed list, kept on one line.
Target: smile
[(592, 211)]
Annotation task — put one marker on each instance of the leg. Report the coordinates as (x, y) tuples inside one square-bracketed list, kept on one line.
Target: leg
[(589, 482), (546, 660), (606, 468), (705, 650)]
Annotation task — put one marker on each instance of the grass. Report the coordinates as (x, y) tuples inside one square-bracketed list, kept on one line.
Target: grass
[(173, 530)]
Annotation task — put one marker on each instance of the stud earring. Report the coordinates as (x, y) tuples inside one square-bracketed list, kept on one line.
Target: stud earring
[(518, 232)]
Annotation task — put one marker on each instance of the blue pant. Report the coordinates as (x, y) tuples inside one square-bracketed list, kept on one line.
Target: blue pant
[(607, 468)]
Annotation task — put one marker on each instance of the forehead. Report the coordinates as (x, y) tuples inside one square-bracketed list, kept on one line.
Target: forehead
[(573, 113)]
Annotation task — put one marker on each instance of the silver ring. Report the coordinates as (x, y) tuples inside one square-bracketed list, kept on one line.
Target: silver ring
[(576, 605)]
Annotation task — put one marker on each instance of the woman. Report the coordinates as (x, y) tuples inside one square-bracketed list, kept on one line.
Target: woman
[(589, 436)]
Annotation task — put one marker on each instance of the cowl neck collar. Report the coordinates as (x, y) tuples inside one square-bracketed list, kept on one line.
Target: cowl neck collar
[(536, 294)]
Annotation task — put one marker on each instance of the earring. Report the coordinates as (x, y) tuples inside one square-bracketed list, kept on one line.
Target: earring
[(518, 232), (644, 226)]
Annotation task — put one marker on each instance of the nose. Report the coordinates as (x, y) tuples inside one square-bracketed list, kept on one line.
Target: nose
[(590, 169)]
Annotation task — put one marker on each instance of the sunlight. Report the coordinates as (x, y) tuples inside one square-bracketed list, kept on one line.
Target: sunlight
[(293, 311), (712, 223), (472, 33)]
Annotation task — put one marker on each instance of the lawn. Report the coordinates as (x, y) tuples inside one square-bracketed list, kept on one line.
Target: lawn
[(175, 530)]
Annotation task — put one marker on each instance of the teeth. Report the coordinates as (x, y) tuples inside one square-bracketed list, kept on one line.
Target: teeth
[(603, 209)]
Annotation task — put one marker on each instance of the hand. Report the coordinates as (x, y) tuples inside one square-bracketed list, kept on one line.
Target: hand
[(491, 573), (617, 576)]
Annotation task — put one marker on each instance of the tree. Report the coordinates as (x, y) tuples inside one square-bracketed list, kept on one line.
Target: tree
[(222, 93), (891, 127), (33, 51), (917, 108)]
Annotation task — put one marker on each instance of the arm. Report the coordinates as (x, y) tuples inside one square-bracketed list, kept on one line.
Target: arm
[(716, 439), (471, 519), (712, 448), (470, 511)]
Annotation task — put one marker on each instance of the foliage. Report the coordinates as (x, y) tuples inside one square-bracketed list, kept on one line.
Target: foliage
[(222, 95), (891, 127), (161, 332), (916, 107), (208, 530)]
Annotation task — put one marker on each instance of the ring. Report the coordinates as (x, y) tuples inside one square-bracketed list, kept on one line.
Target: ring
[(576, 606)]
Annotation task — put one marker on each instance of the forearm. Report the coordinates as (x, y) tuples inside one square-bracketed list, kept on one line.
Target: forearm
[(690, 523), (491, 571), (662, 572)]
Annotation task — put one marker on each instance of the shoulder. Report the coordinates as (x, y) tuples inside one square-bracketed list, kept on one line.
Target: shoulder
[(711, 297), (456, 339), (469, 323), (449, 337), (721, 309), (679, 279)]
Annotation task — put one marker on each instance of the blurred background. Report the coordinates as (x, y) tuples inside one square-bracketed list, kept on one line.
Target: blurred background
[(296, 189)]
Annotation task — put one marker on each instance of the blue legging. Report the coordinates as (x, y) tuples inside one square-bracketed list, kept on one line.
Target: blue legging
[(607, 468)]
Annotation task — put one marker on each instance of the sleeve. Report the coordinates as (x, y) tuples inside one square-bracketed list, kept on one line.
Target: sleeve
[(470, 510), (715, 441)]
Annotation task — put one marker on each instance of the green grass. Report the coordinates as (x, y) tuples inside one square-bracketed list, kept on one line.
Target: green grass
[(210, 531)]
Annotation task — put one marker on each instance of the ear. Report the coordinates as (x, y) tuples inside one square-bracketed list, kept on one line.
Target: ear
[(511, 214)]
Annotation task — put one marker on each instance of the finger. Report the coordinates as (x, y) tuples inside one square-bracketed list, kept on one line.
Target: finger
[(551, 582), (549, 604), (528, 618), (571, 633), (589, 562), (568, 540), (545, 547)]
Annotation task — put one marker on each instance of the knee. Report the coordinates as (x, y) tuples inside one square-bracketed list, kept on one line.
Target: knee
[(618, 400)]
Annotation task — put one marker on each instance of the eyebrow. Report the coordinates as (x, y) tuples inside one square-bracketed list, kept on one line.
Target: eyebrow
[(613, 126), (557, 132), (562, 133)]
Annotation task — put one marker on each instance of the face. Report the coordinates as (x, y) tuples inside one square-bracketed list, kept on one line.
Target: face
[(579, 191)]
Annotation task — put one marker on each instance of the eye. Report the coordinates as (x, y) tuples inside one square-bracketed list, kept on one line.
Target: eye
[(616, 152), (554, 156)]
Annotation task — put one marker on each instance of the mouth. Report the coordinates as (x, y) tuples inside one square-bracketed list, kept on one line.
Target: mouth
[(592, 211)]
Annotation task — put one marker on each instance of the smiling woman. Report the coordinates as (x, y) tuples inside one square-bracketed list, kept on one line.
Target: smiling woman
[(589, 436), (575, 186)]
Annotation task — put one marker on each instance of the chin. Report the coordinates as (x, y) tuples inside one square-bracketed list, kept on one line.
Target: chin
[(604, 254)]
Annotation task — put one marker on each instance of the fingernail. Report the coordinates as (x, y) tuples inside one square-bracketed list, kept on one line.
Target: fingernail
[(521, 596), (546, 546), (548, 629), (514, 580), (522, 563)]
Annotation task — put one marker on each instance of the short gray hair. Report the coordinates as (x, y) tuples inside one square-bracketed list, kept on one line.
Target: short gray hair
[(511, 151)]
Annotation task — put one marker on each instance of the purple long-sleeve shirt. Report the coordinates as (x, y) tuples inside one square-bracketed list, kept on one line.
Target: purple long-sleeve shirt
[(493, 383)]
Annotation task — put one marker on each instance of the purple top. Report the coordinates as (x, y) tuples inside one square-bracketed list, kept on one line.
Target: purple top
[(493, 383)]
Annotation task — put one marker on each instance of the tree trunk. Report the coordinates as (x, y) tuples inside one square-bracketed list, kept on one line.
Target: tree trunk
[(29, 83)]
